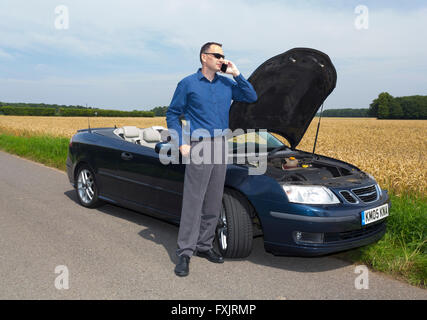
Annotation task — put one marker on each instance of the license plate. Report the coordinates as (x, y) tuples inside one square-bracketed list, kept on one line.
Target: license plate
[(375, 214)]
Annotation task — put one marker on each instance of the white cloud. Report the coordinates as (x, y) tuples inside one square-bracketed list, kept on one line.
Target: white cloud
[(107, 27), (171, 32)]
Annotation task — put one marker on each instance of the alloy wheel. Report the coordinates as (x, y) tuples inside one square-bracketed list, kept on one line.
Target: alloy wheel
[(222, 230), (86, 186)]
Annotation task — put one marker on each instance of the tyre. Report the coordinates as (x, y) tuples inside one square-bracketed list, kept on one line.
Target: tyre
[(234, 233), (87, 188)]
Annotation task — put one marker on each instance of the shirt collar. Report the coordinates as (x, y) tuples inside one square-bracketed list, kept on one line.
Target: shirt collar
[(200, 75)]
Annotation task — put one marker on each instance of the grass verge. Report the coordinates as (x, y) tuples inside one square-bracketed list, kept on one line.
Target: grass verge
[(51, 151), (402, 252)]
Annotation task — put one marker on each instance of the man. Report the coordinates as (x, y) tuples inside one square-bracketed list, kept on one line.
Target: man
[(204, 98)]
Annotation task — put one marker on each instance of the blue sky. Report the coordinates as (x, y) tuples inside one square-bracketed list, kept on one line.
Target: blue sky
[(130, 54)]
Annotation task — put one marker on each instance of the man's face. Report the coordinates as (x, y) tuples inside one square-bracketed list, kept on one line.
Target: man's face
[(210, 61)]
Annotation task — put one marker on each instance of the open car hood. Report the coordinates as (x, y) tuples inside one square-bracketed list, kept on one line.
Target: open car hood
[(291, 87)]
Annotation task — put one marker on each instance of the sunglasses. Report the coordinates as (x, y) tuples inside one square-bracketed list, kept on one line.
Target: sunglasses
[(216, 55)]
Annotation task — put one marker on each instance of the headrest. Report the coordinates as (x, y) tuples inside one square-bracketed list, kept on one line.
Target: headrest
[(151, 135), (130, 131)]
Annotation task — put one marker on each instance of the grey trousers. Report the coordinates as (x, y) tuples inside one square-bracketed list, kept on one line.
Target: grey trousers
[(202, 196)]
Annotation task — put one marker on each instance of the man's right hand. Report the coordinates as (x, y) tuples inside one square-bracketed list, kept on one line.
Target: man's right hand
[(185, 150)]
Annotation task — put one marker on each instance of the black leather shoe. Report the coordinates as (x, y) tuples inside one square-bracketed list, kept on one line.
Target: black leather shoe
[(182, 267), (211, 255)]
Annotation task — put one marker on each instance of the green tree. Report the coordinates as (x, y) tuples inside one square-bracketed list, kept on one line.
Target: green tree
[(160, 111), (381, 106), (383, 111), (395, 110), (373, 108)]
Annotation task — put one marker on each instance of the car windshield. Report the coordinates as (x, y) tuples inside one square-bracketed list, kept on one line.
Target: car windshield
[(252, 141)]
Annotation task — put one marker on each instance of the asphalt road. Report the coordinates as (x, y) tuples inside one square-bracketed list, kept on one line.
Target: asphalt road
[(115, 253)]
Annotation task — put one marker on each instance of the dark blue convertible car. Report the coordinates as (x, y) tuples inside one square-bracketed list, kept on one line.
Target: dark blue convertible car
[(303, 204)]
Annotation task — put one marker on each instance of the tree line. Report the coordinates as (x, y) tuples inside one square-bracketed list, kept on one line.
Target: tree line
[(41, 109), (40, 105), (388, 107), (384, 107), (346, 113), (70, 112)]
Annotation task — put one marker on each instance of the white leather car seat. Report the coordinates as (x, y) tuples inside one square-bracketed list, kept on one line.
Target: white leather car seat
[(150, 137), (131, 134)]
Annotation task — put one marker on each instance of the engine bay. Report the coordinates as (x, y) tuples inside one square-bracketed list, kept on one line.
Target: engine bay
[(304, 168)]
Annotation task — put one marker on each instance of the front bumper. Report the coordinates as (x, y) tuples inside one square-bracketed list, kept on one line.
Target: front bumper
[(340, 230), (345, 241)]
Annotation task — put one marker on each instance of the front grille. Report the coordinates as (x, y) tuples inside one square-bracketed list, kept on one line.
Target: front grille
[(366, 194), (347, 196), (348, 235)]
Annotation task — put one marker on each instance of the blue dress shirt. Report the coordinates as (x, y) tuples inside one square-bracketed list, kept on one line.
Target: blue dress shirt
[(206, 104)]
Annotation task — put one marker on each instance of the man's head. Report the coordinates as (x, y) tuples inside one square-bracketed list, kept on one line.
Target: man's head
[(212, 56)]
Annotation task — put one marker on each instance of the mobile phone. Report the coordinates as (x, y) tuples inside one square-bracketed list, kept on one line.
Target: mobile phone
[(224, 67)]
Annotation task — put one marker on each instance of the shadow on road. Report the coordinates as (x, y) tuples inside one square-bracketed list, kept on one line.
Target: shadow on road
[(165, 233)]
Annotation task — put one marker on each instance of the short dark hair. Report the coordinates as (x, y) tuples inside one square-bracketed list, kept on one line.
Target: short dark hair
[(206, 46)]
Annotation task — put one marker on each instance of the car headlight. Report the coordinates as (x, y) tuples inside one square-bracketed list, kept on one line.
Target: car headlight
[(310, 194)]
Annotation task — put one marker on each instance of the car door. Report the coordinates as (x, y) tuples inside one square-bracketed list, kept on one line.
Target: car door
[(104, 155), (146, 182), (170, 182), (138, 172)]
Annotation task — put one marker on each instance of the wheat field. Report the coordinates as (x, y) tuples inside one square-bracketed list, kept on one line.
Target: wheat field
[(393, 151)]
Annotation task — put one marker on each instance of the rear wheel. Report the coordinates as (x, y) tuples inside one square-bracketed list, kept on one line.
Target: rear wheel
[(87, 188), (234, 233)]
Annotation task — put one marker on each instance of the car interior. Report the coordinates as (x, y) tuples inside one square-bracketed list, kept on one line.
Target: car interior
[(148, 137)]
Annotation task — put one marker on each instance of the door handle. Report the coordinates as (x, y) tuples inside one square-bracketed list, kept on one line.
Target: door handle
[(126, 156)]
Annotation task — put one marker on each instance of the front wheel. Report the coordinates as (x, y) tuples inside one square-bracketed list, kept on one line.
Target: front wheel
[(87, 188), (234, 233)]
